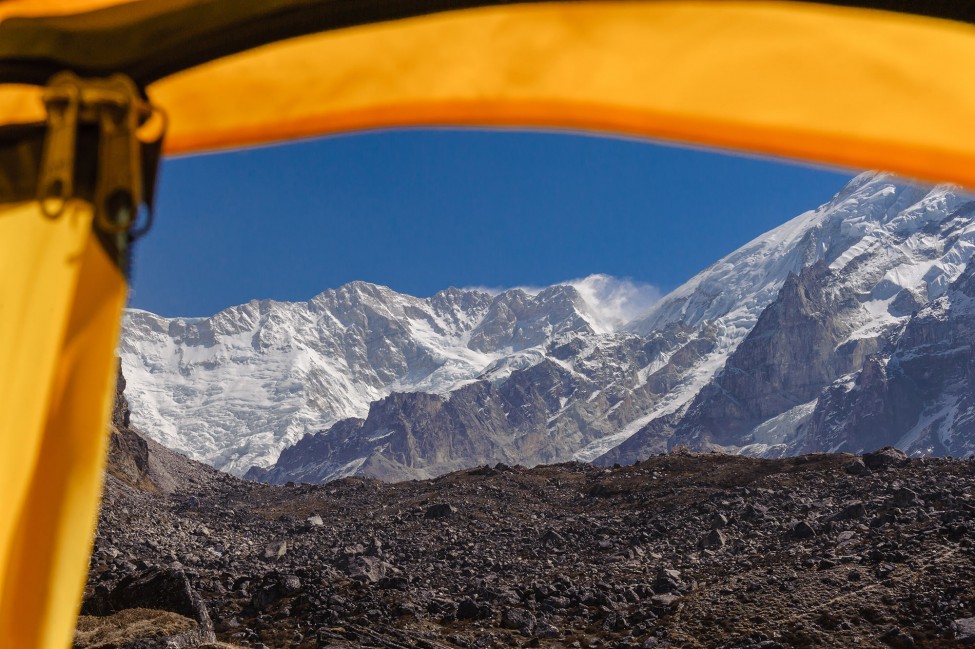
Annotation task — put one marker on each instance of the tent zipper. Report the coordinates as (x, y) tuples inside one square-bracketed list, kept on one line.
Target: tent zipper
[(115, 108)]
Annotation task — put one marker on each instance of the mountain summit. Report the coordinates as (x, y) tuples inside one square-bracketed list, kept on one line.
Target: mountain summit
[(236, 388), (747, 357)]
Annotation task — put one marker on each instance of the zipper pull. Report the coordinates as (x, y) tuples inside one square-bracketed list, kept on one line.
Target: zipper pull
[(118, 193), (62, 97)]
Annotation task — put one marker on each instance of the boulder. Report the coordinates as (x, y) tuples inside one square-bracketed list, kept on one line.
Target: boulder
[(164, 590), (906, 498), (965, 630), (884, 457), (856, 467), (519, 619), (139, 628), (852, 511), (440, 510), (802, 530), (713, 540), (276, 550)]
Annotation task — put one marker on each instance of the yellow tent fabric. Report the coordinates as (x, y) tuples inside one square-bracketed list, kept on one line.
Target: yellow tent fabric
[(834, 84), (61, 304), (839, 85), (852, 87)]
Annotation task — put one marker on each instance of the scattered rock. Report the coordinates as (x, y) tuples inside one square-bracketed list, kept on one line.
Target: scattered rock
[(275, 551), (802, 530), (856, 467), (468, 609), (853, 511), (692, 555), (518, 619), (898, 639), (905, 498), (441, 510), (551, 537), (886, 457), (664, 600), (668, 581), (713, 540), (965, 630), (365, 569)]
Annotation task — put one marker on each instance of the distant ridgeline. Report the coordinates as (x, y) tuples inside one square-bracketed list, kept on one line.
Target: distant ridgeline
[(847, 328)]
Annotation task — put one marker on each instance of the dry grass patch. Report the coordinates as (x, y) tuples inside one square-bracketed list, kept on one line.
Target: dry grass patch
[(95, 632)]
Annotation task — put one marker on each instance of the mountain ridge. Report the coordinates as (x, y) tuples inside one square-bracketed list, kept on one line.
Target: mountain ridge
[(881, 247)]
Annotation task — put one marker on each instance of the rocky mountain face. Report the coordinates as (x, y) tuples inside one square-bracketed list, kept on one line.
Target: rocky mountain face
[(554, 379), (236, 388), (128, 452), (921, 395), (575, 398), (757, 354), (795, 348), (816, 360)]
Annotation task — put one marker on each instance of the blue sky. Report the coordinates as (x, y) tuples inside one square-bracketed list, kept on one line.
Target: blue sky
[(421, 210)]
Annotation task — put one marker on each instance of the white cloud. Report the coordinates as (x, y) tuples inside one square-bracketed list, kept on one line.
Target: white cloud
[(615, 301)]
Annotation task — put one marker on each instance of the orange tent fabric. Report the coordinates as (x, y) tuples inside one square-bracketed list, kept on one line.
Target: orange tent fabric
[(839, 85)]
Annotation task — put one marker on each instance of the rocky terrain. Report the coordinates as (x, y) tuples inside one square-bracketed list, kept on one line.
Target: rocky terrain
[(678, 550)]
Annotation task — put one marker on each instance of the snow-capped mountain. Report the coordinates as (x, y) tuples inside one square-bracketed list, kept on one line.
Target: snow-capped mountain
[(920, 396), (873, 255), (236, 388), (378, 383)]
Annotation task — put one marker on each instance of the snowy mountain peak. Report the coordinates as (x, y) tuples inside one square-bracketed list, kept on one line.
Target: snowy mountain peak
[(569, 370), (237, 387), (876, 224)]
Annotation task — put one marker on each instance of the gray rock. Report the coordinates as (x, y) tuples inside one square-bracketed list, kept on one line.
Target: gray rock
[(884, 457), (713, 540), (856, 467), (440, 510), (551, 537), (366, 569), (853, 511), (546, 630), (664, 600), (898, 639), (519, 619), (468, 609), (802, 530), (905, 498), (275, 551), (964, 629), (265, 596), (290, 584), (668, 581)]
